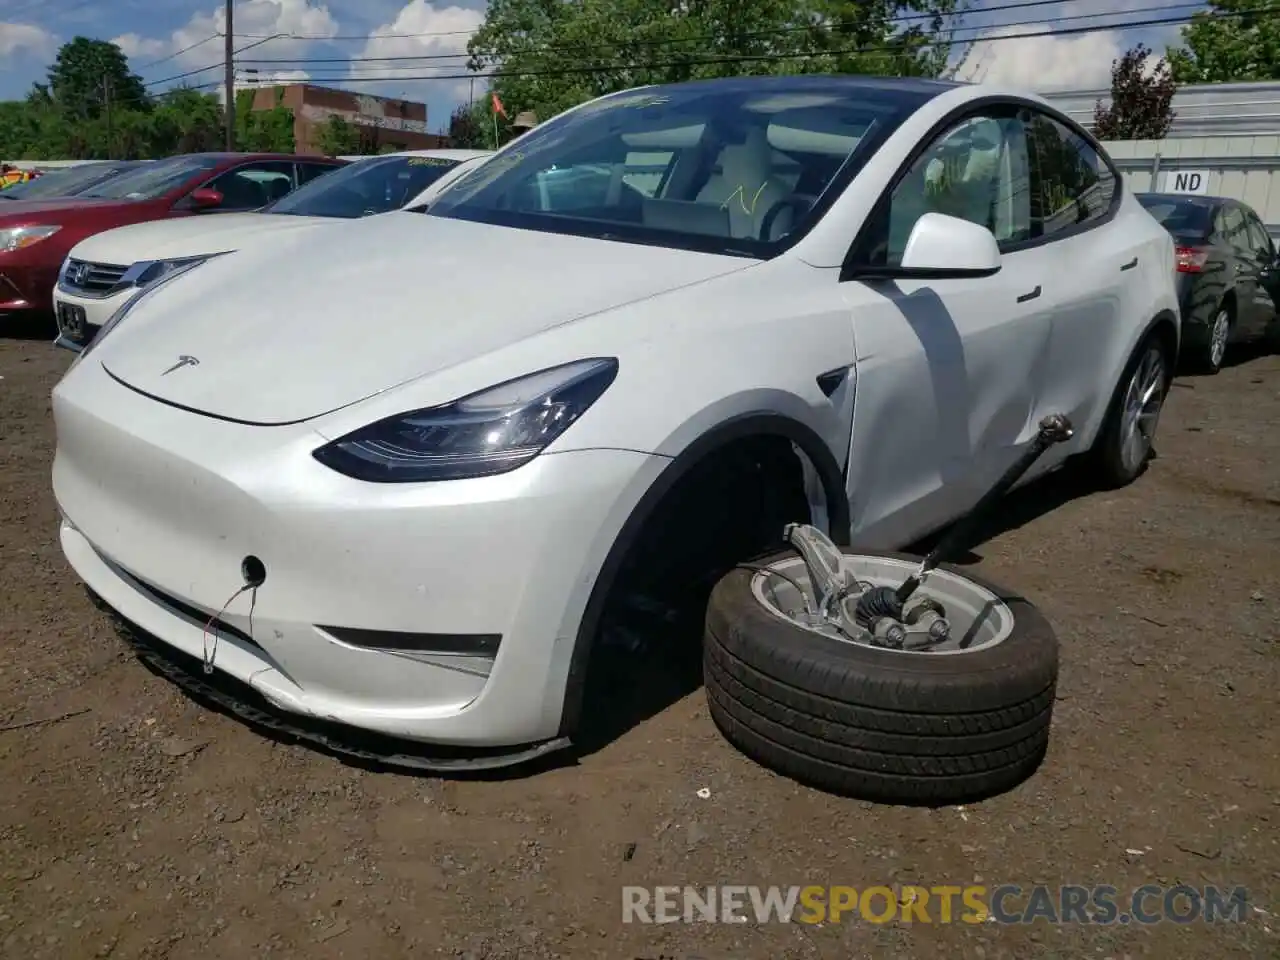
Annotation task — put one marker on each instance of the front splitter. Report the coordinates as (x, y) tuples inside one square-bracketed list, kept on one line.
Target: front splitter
[(229, 695)]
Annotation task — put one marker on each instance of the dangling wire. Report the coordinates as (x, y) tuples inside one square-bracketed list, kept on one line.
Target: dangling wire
[(210, 652)]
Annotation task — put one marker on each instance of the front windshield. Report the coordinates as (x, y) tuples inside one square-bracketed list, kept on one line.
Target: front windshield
[(742, 166), (67, 182), (152, 180), (365, 187)]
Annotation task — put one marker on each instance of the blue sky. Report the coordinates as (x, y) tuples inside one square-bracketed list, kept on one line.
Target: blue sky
[(165, 38)]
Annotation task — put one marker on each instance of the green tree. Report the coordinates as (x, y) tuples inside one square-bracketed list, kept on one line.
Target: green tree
[(557, 53), (337, 137), (470, 128), (87, 76), (1230, 41), (263, 131), (1141, 105), (187, 121)]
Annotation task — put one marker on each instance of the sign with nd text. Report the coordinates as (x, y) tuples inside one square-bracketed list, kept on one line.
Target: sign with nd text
[(1186, 181)]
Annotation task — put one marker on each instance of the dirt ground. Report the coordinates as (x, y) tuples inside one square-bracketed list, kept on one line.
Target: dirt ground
[(137, 823)]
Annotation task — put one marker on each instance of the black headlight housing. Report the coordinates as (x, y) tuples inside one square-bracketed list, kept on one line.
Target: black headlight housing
[(483, 434)]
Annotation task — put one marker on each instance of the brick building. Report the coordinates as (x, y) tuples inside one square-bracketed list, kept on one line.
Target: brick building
[(383, 123)]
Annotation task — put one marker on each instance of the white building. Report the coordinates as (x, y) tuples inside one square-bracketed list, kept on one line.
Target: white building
[(1225, 141)]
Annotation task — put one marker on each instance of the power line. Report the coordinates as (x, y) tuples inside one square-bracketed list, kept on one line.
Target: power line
[(212, 66), (744, 36), (178, 53), (759, 58)]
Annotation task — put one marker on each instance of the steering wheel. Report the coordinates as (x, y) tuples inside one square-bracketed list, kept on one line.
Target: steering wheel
[(794, 202)]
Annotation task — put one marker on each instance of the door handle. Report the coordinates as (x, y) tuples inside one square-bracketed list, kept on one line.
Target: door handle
[(1029, 296), (1131, 264)]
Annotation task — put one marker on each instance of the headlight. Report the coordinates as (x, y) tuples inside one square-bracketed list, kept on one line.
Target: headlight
[(483, 434), (18, 238), (147, 272), (114, 320)]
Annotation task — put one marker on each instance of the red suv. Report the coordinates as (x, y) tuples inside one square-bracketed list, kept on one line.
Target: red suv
[(37, 235)]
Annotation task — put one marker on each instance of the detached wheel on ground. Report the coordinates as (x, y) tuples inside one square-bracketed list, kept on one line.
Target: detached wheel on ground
[(966, 719)]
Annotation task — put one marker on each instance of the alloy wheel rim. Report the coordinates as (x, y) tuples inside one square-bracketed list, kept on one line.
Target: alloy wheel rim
[(1218, 338), (1144, 399)]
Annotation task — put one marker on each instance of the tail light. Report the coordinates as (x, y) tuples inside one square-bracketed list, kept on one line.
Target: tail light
[(1190, 259)]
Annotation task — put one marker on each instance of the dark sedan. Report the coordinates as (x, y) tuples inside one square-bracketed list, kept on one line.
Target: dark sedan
[(1228, 274)]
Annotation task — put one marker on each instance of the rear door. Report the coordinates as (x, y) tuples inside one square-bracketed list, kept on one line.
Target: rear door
[(1264, 259), (1243, 272)]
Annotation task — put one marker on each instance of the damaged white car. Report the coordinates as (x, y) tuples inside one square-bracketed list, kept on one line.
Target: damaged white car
[(397, 476)]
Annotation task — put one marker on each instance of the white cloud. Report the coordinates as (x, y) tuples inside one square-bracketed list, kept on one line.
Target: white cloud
[(254, 21), (24, 36), (447, 31), (1043, 63)]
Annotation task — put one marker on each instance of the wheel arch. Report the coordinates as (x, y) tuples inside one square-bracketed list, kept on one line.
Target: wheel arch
[(706, 446), (1165, 326)]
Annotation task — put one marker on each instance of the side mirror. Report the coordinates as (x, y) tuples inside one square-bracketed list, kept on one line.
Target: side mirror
[(943, 247), (205, 198)]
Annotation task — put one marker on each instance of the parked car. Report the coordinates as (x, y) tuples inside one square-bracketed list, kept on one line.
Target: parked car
[(103, 271), (68, 181), (1228, 274), (36, 236), (434, 455)]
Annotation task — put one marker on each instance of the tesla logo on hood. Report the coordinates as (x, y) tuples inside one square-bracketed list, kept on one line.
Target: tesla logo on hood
[(183, 361)]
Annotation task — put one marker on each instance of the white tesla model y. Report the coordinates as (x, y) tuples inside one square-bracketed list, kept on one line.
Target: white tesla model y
[(394, 476)]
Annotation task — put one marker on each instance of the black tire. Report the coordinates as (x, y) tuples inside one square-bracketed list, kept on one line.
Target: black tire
[(1273, 334), (1199, 359), (1104, 463), (876, 724)]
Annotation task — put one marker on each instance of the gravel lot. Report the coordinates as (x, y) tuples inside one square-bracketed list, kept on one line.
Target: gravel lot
[(137, 823)]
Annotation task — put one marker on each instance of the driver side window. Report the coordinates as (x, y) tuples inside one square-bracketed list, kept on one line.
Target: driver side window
[(979, 171)]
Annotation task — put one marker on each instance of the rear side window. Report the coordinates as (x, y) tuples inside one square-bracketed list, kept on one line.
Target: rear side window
[(1233, 230), (1259, 239), (1076, 186)]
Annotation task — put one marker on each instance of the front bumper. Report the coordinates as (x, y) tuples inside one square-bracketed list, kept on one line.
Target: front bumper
[(25, 286), (381, 602), (96, 312)]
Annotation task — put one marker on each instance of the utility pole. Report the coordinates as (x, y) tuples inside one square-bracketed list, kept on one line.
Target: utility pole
[(106, 108), (230, 78)]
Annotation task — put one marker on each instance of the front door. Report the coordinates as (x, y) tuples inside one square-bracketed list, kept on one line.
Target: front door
[(948, 371)]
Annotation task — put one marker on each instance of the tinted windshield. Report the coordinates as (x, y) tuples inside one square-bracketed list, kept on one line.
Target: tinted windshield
[(364, 187), (737, 167), (1183, 218), (67, 182), (153, 179)]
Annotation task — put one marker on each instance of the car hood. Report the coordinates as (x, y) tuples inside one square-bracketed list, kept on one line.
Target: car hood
[(317, 320), (192, 236), (56, 208)]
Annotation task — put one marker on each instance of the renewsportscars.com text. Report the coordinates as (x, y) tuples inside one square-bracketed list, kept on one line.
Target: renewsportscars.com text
[(1006, 904)]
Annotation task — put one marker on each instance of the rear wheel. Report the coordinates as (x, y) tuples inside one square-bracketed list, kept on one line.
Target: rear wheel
[(1126, 441), (1208, 357)]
